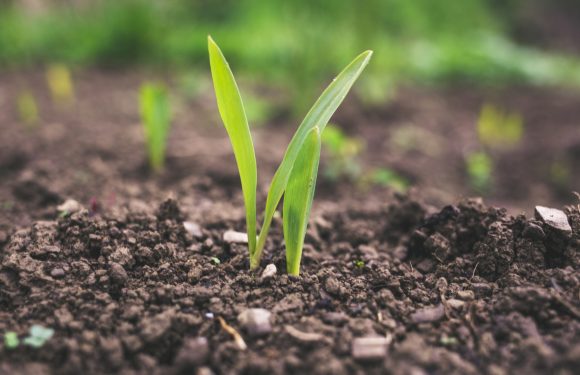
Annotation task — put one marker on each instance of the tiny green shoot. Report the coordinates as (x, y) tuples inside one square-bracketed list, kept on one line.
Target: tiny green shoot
[(11, 340), (295, 178), (497, 128), (215, 260), (359, 263), (156, 118), (60, 84), (343, 153), (479, 168), (38, 336), (389, 178), (27, 109)]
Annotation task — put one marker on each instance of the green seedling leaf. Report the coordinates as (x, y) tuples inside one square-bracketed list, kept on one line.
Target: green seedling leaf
[(60, 83), (215, 260), (496, 128), (389, 178), (11, 340), (232, 112), (479, 168), (38, 336), (27, 109), (156, 117), (298, 200), (317, 117)]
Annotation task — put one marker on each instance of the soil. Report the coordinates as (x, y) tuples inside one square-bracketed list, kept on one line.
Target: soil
[(467, 288)]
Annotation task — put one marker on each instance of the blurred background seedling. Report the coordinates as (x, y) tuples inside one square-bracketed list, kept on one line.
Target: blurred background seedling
[(60, 84), (155, 109), (388, 178), (479, 167), (11, 340), (499, 129), (38, 336), (342, 154), (27, 109)]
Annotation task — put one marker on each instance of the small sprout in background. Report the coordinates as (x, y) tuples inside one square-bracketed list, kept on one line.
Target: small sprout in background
[(560, 174), (60, 84), (38, 336), (156, 118), (215, 260), (193, 84), (496, 128), (389, 178), (448, 340), (359, 263), (343, 153), (27, 109), (295, 178), (479, 169), (258, 110), (11, 340)]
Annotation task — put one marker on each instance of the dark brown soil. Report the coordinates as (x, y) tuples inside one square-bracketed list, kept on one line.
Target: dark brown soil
[(463, 289)]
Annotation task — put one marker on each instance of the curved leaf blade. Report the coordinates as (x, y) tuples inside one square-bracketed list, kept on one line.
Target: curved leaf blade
[(232, 112), (317, 117), (298, 199)]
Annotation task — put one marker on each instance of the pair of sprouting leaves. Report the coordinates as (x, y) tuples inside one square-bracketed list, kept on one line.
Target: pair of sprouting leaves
[(295, 178)]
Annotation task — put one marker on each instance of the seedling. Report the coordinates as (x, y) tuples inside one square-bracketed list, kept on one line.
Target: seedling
[(27, 109), (479, 168), (38, 336), (60, 84), (343, 152), (497, 128), (390, 178), (295, 178), (156, 119), (11, 340)]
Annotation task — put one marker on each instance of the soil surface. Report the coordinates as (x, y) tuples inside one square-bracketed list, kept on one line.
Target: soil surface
[(466, 288)]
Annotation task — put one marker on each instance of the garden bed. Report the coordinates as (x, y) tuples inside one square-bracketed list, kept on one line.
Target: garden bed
[(390, 282)]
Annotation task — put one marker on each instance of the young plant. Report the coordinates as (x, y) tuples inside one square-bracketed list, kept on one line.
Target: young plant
[(497, 128), (27, 109), (156, 118), (295, 178), (60, 83)]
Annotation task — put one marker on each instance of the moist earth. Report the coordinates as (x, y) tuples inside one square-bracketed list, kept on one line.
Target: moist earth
[(397, 287)]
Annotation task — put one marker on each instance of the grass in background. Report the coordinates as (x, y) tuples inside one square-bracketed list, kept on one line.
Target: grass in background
[(278, 42)]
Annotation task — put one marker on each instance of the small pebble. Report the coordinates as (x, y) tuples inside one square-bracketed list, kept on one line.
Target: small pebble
[(193, 228), (57, 273), (256, 321), (428, 314), (369, 348), (235, 237), (269, 271), (466, 295), (69, 206), (554, 218)]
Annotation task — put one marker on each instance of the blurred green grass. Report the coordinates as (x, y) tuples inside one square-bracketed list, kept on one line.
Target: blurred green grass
[(294, 44)]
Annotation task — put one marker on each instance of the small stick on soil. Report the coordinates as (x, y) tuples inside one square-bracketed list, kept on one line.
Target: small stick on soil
[(232, 331), (473, 273)]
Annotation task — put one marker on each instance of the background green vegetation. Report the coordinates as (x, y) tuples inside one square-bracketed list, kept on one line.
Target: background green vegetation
[(281, 42)]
